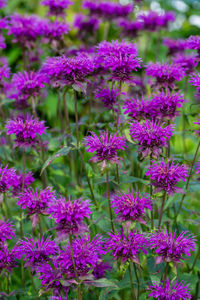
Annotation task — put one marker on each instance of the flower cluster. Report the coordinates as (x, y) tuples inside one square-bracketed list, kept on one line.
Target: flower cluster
[(6, 231), (7, 178), (153, 21), (187, 61), (174, 45), (108, 96), (56, 7)]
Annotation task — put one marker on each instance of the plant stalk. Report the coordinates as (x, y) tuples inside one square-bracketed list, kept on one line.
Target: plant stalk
[(109, 203)]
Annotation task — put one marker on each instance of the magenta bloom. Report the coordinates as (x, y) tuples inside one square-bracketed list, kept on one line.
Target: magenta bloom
[(8, 258), (57, 7), (105, 146), (151, 137), (26, 130), (170, 248), (108, 96), (165, 175), (127, 248), (171, 290), (175, 45), (36, 202), (195, 80), (69, 215), (36, 253), (6, 231), (87, 253), (107, 10), (130, 207), (198, 123), (165, 74), (29, 83), (139, 108), (167, 103), (100, 270), (4, 69), (68, 71), (18, 182), (3, 3), (120, 57), (7, 178), (154, 21), (130, 28), (86, 25), (193, 42), (187, 61), (55, 30)]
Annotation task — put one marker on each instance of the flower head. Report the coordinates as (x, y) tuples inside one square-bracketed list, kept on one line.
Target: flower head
[(175, 45), (187, 61), (195, 80), (151, 137), (100, 269), (193, 42), (170, 290), (54, 30), (7, 178), (36, 202), (108, 96), (26, 130), (129, 207), (29, 83), (126, 248), (37, 252), (8, 258), (130, 28), (69, 215), (165, 74), (167, 103), (170, 248), (153, 21), (56, 7), (120, 57), (87, 26), (165, 175), (105, 146), (87, 253), (4, 69), (6, 231), (18, 183)]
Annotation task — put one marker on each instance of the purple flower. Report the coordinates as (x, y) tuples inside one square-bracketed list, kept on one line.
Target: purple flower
[(26, 130), (108, 96), (107, 10), (151, 137), (127, 248), (7, 178), (29, 83), (165, 175), (169, 290), (36, 253), (69, 215), (153, 21), (198, 123), (167, 103), (25, 29), (3, 3), (195, 80), (100, 270), (165, 74), (187, 61), (120, 57), (129, 207), (87, 253), (8, 258), (6, 231), (130, 28), (138, 109), (87, 26), (57, 7), (36, 202), (68, 71), (193, 42), (170, 248), (54, 30), (4, 69), (174, 45), (105, 146), (18, 182)]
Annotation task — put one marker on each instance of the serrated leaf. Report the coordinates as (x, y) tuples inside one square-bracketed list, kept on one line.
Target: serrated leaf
[(103, 282), (62, 152)]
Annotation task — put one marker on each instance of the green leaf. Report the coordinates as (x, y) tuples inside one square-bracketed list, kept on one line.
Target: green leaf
[(62, 152), (103, 282)]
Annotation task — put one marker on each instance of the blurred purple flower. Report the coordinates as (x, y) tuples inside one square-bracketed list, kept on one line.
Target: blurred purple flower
[(170, 248), (4, 69), (37, 253), (3, 3), (151, 137), (166, 103), (69, 215), (170, 290), (165, 175), (130, 28), (187, 61), (153, 21), (87, 26), (193, 42), (18, 182), (6, 231), (120, 57), (105, 146), (108, 96), (165, 74), (87, 253), (8, 258), (174, 45), (195, 80), (100, 270), (54, 30), (7, 178), (127, 248), (26, 129), (56, 7), (130, 207)]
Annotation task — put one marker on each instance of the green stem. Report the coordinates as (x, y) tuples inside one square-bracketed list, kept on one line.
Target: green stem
[(131, 282), (66, 111), (117, 173), (119, 104), (151, 193), (76, 117), (161, 210), (195, 260), (138, 282), (165, 274), (109, 203)]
